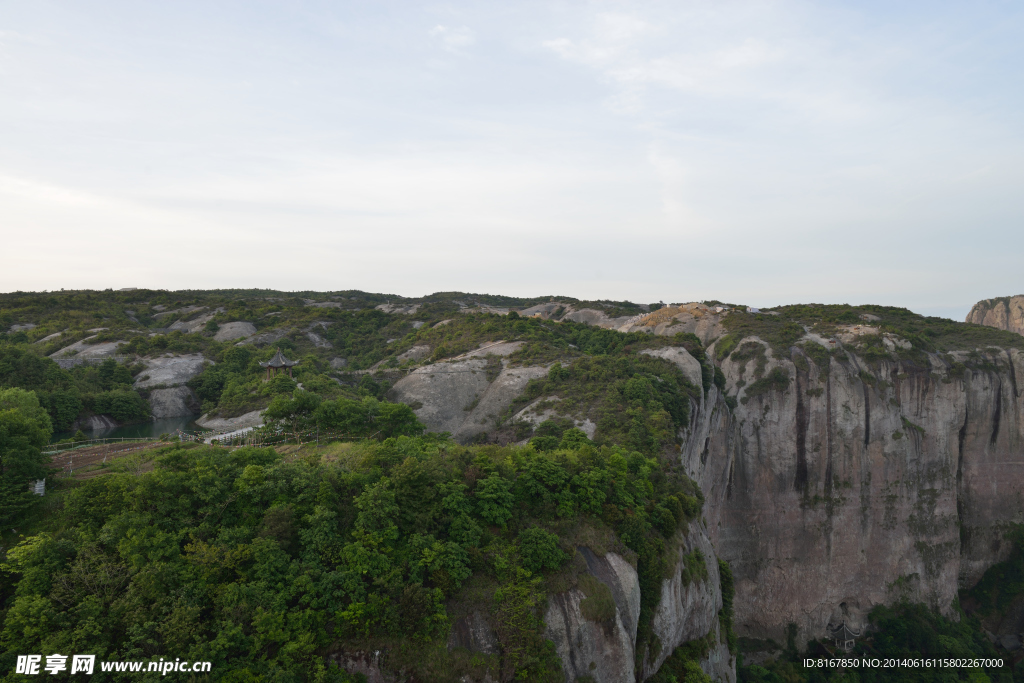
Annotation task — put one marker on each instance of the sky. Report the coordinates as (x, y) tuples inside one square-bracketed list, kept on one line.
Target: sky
[(762, 153)]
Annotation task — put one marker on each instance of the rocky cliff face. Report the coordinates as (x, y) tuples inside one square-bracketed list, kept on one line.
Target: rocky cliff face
[(832, 484), (853, 484), (602, 651), (1004, 313), (169, 373), (689, 610)]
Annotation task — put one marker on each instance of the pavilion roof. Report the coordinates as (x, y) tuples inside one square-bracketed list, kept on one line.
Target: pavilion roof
[(279, 361)]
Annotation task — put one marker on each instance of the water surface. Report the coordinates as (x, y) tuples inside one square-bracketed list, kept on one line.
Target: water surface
[(141, 430)]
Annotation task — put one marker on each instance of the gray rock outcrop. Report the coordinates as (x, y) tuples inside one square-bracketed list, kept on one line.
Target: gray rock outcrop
[(173, 402), (49, 337), (269, 337), (703, 321), (466, 395), (857, 484), (545, 408), (228, 424), (689, 610), (400, 309), (415, 353), (603, 651), (682, 359), (83, 352), (189, 326), (474, 633), (170, 373), (1004, 313), (234, 330), (93, 423), (170, 370), (552, 310), (318, 339), (590, 316)]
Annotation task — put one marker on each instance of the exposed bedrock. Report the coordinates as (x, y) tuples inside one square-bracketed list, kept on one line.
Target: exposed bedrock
[(1004, 313), (858, 485), (466, 395), (168, 374), (170, 370), (682, 359), (689, 610), (606, 651), (603, 651), (234, 330), (173, 402)]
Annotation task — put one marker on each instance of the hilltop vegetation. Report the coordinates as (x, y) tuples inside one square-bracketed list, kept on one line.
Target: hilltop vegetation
[(258, 562)]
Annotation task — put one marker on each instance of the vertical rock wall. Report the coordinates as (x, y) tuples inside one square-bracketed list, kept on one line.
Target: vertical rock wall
[(858, 485), (604, 652), (689, 610), (1005, 313)]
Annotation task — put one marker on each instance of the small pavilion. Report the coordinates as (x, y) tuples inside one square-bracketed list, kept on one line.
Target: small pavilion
[(844, 637), (277, 364)]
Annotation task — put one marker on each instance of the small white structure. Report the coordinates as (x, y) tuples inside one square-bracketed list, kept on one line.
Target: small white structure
[(751, 309), (39, 487)]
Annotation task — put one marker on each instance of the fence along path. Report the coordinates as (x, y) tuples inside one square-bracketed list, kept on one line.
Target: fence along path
[(98, 451), (255, 436)]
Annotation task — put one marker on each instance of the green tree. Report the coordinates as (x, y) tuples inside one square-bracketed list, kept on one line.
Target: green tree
[(24, 430), (539, 550), (494, 499), (297, 410)]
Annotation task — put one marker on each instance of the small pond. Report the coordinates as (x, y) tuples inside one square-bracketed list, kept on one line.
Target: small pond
[(140, 430)]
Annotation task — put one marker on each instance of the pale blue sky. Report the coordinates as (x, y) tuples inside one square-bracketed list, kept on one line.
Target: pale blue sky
[(756, 152)]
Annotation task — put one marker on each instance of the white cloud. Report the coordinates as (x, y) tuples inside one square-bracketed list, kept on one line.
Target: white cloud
[(454, 39)]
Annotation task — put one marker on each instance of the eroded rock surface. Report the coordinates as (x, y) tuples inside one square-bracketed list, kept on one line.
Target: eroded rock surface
[(1004, 313), (177, 401), (698, 319), (196, 324), (415, 353), (170, 370), (605, 652), (545, 408), (682, 359), (225, 424), (268, 337), (857, 484), (93, 423), (171, 373), (590, 316), (400, 309), (474, 633), (234, 330), (466, 395), (83, 352), (689, 609)]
